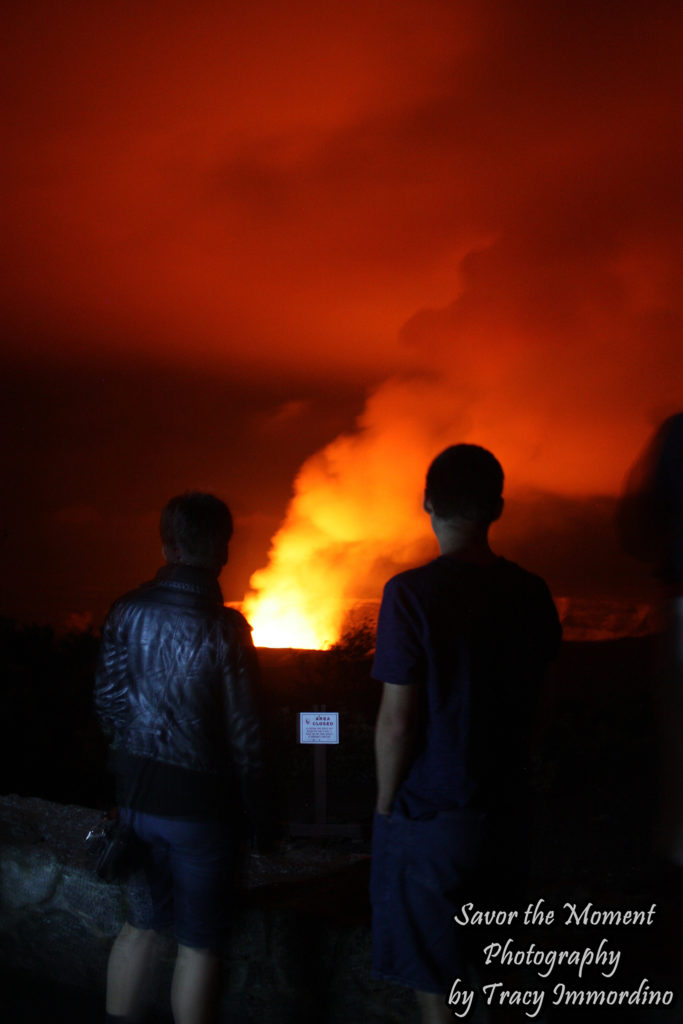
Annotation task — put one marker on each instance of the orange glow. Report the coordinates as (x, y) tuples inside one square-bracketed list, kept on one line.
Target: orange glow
[(287, 617), (468, 213), (357, 515), (355, 504), (298, 599)]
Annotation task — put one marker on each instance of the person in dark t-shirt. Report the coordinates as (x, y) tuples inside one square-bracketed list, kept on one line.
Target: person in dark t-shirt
[(462, 647), (650, 527)]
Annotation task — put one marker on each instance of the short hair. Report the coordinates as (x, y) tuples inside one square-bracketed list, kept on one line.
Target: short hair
[(195, 529), (465, 481)]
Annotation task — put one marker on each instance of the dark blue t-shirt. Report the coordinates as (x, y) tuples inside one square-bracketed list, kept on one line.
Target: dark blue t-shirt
[(476, 639), (668, 486)]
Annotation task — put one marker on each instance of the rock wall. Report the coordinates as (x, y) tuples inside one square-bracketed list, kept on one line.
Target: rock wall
[(300, 945)]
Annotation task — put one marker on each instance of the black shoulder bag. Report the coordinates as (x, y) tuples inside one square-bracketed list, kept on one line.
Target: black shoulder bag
[(114, 849)]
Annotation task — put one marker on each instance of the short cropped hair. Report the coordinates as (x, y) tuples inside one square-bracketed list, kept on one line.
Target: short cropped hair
[(195, 529), (465, 481)]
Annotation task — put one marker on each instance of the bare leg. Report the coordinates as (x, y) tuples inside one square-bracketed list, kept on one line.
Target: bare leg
[(131, 962), (195, 986), (433, 1008)]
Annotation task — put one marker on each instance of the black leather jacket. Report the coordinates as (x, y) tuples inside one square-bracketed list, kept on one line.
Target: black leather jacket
[(176, 678)]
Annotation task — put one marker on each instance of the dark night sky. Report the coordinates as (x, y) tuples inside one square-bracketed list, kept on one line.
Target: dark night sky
[(240, 237)]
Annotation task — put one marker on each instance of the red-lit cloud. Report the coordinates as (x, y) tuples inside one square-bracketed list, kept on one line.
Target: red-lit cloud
[(470, 210)]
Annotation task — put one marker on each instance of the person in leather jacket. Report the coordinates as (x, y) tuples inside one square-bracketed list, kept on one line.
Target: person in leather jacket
[(175, 692)]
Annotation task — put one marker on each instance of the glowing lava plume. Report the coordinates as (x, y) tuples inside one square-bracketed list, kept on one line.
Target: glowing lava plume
[(300, 604), (299, 596), (287, 618), (356, 516), (356, 505)]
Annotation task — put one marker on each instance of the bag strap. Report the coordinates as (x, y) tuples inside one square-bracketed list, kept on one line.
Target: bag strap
[(136, 783)]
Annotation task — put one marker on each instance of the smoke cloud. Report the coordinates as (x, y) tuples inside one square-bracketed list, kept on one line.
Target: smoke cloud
[(561, 347), (469, 212)]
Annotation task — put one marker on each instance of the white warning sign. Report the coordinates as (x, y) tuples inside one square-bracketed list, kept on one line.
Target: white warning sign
[(319, 727)]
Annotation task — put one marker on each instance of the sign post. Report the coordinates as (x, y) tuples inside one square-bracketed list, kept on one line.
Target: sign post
[(319, 728)]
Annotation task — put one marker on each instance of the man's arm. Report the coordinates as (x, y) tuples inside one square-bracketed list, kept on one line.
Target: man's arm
[(241, 680), (394, 741), (111, 677), (241, 684)]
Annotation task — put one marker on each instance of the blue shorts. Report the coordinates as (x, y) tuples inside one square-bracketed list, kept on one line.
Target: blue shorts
[(190, 873), (421, 873)]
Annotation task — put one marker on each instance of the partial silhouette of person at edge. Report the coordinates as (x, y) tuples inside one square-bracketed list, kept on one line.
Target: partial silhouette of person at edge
[(175, 691), (463, 644), (650, 527)]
